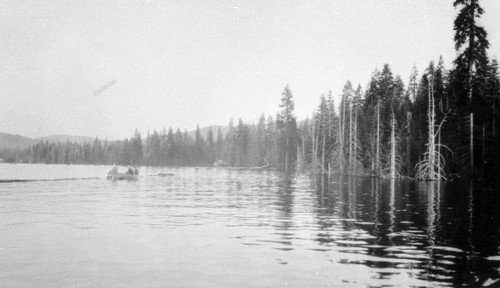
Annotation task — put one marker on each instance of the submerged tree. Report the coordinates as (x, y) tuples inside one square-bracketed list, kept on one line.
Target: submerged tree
[(346, 153), (355, 166), (341, 148), (394, 156), (324, 134), (431, 167)]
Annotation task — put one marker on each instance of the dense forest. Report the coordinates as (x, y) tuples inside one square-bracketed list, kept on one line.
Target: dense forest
[(442, 123)]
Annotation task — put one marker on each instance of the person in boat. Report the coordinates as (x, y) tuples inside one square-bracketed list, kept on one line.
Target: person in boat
[(113, 170), (130, 171)]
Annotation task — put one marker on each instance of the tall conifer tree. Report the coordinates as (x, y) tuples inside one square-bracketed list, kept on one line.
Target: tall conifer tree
[(287, 124), (471, 109)]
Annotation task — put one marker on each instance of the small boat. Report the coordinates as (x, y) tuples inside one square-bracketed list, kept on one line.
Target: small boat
[(131, 174)]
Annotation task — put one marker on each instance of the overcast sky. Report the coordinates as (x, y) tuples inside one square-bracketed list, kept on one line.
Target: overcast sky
[(104, 68)]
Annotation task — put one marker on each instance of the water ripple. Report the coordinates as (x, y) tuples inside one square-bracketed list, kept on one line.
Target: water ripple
[(199, 222)]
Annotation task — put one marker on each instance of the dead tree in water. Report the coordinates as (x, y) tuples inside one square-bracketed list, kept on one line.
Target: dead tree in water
[(354, 165), (376, 162), (393, 148), (351, 135), (432, 165), (395, 158), (324, 135), (336, 157), (355, 140), (314, 147), (342, 135)]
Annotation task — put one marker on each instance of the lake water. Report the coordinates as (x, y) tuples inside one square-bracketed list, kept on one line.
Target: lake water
[(213, 227)]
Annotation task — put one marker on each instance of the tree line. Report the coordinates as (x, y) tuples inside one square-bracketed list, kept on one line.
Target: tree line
[(442, 123), (243, 145)]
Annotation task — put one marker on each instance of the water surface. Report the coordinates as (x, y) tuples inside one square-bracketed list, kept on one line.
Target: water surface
[(213, 227)]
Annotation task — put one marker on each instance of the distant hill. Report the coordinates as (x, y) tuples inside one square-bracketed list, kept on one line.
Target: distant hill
[(13, 141)]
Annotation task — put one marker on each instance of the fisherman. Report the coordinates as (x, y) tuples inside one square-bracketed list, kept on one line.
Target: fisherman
[(130, 171), (112, 171)]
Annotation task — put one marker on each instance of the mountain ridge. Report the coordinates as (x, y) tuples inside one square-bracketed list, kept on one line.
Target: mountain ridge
[(15, 141)]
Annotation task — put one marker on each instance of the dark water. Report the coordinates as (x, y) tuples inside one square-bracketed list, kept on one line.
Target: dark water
[(203, 227)]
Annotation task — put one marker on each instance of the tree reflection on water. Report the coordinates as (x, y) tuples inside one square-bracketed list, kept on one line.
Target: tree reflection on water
[(443, 232)]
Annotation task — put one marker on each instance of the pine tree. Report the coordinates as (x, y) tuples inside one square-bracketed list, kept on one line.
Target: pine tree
[(272, 141), (471, 44), (242, 144), (219, 145), (287, 126), (199, 147), (471, 110), (258, 142), (413, 84), (136, 148), (210, 148)]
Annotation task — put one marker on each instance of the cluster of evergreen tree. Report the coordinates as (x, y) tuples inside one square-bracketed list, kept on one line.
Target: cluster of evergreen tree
[(444, 121), (244, 145)]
